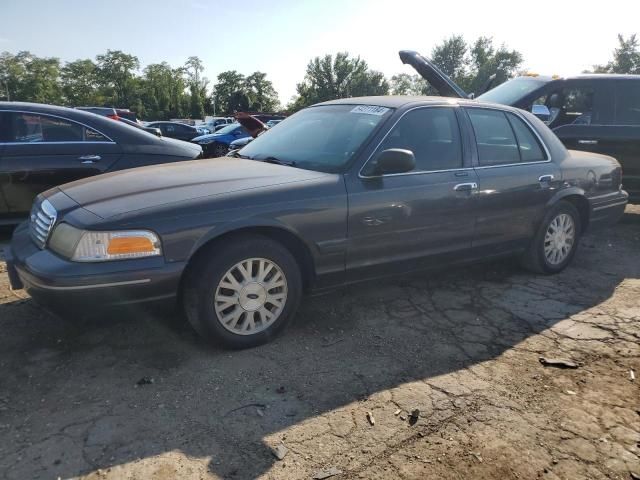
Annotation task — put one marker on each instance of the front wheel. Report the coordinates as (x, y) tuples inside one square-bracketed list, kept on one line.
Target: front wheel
[(243, 294), (556, 241)]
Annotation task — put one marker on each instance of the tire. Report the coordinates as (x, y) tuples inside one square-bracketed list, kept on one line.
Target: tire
[(540, 257), (244, 313), (220, 150)]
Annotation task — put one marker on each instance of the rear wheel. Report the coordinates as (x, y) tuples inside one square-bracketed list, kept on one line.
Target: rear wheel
[(556, 241), (243, 294)]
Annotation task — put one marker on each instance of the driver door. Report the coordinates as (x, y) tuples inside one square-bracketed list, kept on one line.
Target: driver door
[(412, 220)]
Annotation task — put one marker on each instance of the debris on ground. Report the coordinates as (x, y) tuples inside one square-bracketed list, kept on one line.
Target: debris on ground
[(260, 412), (280, 451), (571, 392), (557, 362), (326, 473), (280, 389), (403, 417), (634, 475), (477, 456), (632, 375), (415, 415), (145, 381), (397, 412), (371, 419)]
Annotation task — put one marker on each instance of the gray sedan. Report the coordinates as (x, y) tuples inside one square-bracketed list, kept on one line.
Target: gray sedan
[(340, 192)]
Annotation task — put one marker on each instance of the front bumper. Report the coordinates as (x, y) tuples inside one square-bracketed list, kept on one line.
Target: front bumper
[(61, 284)]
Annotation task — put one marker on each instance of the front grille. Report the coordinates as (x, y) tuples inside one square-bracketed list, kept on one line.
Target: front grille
[(43, 218)]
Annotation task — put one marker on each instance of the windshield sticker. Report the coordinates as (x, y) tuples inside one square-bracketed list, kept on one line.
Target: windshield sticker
[(370, 110)]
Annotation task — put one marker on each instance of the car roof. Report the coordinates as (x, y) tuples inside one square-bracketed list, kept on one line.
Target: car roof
[(398, 101)]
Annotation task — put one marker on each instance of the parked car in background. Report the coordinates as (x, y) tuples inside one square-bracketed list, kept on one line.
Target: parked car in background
[(42, 146), (202, 129), (593, 112), (217, 144), (113, 113), (272, 123), (343, 191), (238, 144), (176, 130), (151, 130)]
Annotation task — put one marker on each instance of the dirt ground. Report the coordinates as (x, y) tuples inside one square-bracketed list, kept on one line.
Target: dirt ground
[(461, 346)]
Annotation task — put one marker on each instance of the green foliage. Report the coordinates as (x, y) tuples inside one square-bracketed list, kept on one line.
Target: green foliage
[(471, 65), (626, 58), (26, 77), (235, 93), (329, 77), (80, 83), (405, 84), (116, 71)]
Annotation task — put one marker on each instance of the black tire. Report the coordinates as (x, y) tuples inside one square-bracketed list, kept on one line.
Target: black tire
[(534, 258), (220, 150), (211, 266)]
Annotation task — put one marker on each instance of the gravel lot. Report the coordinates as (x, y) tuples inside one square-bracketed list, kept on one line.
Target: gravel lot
[(461, 346)]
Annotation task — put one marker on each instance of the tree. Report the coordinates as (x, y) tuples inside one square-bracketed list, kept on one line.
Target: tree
[(228, 84), (194, 68), (28, 78), (80, 83), (626, 58), (405, 84), (451, 56), (196, 106), (262, 96), (328, 78), (116, 73)]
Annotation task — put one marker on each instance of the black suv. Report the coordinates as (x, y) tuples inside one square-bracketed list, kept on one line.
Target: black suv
[(595, 112)]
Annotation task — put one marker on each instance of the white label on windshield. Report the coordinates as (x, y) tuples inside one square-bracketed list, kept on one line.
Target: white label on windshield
[(370, 110)]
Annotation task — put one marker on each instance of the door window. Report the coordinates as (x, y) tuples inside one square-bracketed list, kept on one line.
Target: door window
[(627, 102), (528, 144), (495, 138), (432, 134), (33, 128)]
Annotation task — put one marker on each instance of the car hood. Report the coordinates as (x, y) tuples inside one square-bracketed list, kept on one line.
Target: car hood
[(125, 191), (208, 136), (432, 74)]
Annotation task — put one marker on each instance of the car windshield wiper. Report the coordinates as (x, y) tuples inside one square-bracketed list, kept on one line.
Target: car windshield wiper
[(277, 161)]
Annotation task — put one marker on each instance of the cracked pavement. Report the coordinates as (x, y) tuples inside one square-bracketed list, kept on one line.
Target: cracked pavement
[(462, 346)]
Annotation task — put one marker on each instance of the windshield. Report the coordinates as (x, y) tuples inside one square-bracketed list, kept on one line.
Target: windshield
[(322, 138), (512, 91), (228, 129)]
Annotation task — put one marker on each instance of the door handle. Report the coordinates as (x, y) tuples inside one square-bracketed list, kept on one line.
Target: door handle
[(89, 158), (466, 187), (587, 142), (546, 179)]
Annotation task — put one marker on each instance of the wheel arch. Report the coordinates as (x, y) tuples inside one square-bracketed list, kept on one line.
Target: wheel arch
[(290, 239), (575, 196)]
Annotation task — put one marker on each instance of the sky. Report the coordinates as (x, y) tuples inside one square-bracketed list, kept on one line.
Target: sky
[(280, 37)]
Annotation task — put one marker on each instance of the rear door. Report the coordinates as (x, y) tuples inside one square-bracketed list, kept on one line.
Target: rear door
[(516, 179), (43, 151), (420, 218)]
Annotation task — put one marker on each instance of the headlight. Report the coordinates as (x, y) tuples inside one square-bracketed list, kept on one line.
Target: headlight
[(87, 246)]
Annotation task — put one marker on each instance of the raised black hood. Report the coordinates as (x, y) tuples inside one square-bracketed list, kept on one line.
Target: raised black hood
[(432, 74)]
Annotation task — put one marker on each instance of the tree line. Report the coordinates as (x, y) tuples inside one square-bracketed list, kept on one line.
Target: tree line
[(161, 91)]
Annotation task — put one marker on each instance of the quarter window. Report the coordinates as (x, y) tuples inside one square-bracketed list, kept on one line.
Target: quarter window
[(33, 128), (496, 141), (432, 134), (528, 144), (627, 102)]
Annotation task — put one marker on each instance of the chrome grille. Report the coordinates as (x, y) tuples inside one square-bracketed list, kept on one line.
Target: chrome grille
[(43, 218)]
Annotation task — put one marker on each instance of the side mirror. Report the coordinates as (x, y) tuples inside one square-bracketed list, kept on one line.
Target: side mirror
[(542, 112), (157, 132), (394, 160)]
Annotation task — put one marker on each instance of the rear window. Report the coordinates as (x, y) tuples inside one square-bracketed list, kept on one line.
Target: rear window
[(528, 144), (34, 128), (627, 102), (495, 138)]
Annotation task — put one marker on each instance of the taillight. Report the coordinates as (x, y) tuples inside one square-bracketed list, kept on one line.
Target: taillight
[(114, 117)]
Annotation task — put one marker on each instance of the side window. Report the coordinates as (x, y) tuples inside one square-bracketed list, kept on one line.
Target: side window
[(93, 136), (627, 102), (432, 134), (496, 141), (529, 145), (577, 107), (169, 128), (29, 128)]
